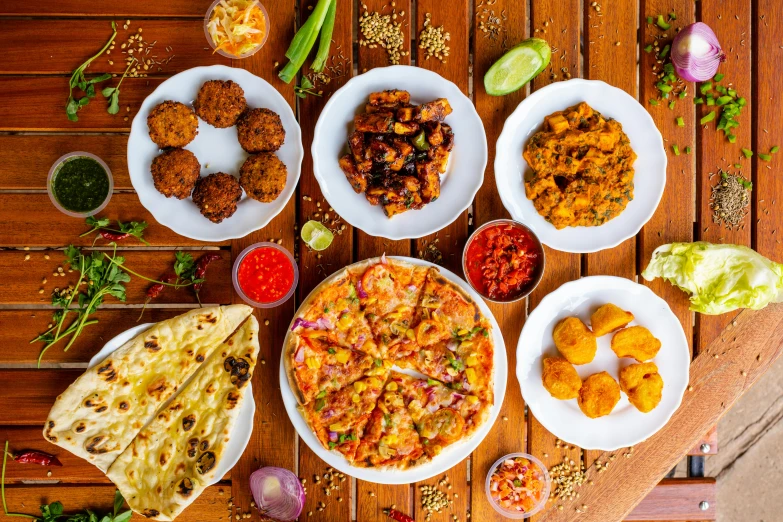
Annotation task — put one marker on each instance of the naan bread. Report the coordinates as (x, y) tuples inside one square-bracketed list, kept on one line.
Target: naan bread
[(173, 459), (103, 410)]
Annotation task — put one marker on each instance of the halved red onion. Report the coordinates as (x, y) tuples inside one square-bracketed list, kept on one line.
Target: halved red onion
[(278, 493), (696, 53)]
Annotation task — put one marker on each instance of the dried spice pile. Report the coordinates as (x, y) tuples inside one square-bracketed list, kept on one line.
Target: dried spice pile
[(383, 31), (729, 200)]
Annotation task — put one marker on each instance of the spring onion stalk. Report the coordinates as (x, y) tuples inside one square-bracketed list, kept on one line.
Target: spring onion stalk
[(326, 38), (304, 40)]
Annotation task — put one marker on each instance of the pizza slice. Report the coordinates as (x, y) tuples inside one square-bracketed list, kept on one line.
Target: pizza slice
[(338, 418)]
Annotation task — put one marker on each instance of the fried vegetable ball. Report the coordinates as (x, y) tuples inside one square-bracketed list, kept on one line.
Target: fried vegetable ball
[(636, 342), (598, 396), (217, 195), (260, 130), (560, 379), (643, 385), (575, 340), (172, 124), (175, 173), (220, 103), (609, 318), (263, 176)]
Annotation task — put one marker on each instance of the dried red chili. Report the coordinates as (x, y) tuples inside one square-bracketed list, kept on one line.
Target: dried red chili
[(201, 268), (399, 517), (36, 457), (114, 236)]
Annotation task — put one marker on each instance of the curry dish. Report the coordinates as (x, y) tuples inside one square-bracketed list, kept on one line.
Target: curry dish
[(582, 168)]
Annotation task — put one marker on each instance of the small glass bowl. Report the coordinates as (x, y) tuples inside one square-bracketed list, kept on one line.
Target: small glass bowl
[(222, 52), (544, 496), (56, 168), (537, 275), (235, 275)]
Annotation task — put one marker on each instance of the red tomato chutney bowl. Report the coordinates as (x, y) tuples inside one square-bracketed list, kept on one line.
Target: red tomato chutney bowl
[(503, 261), (265, 275)]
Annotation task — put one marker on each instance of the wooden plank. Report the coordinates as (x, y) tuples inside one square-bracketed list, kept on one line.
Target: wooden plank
[(25, 160), (509, 432), (711, 440), (213, 504), (20, 326), (60, 53), (273, 439), (715, 152), (39, 104), (83, 8), (678, 499), (746, 349), (32, 392), (29, 220), (24, 278)]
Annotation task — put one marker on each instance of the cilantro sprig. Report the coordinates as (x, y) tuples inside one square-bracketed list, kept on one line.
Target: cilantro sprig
[(104, 229), (78, 80)]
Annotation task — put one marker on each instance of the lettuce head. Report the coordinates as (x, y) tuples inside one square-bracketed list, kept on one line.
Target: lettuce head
[(720, 278)]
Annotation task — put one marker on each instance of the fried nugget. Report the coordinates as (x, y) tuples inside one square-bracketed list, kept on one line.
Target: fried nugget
[(263, 176), (260, 130), (643, 385), (216, 196), (560, 378), (609, 318), (172, 124), (598, 396), (636, 342), (575, 340), (220, 103)]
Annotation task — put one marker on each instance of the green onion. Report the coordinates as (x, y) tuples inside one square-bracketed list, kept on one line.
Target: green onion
[(698, 101), (710, 101), (325, 39), (663, 87), (733, 139), (653, 102), (304, 40), (774, 149), (671, 105), (683, 94), (680, 121), (672, 16), (676, 150), (665, 51), (765, 157), (707, 118), (662, 23), (721, 89), (723, 100), (747, 152), (742, 102), (649, 19), (705, 87), (687, 149), (719, 77), (648, 48), (737, 166)]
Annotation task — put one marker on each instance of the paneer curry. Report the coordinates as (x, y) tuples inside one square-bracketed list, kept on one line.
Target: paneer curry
[(398, 151), (582, 168)]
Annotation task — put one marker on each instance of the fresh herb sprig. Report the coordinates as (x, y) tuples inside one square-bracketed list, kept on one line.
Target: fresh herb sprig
[(184, 268), (304, 88), (113, 93), (78, 80), (123, 230)]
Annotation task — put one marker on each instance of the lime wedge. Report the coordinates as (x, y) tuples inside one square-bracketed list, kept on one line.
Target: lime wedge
[(316, 235), (518, 66)]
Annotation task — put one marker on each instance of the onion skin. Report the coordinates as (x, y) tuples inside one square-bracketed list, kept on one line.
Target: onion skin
[(696, 65)]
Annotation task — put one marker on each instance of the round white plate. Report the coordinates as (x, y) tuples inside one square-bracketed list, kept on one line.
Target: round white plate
[(626, 425), (240, 436), (217, 150), (451, 455), (650, 166), (464, 174)]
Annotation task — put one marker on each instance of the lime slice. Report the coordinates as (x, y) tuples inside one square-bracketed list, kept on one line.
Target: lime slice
[(316, 235), (517, 67)]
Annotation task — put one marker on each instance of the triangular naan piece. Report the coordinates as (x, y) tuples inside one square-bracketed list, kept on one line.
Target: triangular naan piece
[(172, 460), (103, 410)]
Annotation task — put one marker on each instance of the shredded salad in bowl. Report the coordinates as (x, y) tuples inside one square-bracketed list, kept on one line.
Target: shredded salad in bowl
[(237, 27), (518, 485)]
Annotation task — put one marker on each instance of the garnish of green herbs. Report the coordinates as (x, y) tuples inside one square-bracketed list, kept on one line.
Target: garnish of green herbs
[(78, 80), (101, 276), (730, 106), (113, 93), (184, 268), (325, 39), (304, 40), (304, 88), (105, 230)]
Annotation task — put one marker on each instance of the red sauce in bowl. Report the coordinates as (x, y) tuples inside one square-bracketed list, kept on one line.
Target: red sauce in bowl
[(265, 275), (502, 261)]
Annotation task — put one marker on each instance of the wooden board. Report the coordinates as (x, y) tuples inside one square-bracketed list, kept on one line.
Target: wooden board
[(678, 499), (83, 8)]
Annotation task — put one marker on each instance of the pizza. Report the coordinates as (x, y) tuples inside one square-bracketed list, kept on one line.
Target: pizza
[(354, 332)]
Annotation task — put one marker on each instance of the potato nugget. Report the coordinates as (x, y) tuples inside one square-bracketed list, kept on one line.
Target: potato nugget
[(575, 341), (220, 103), (599, 395), (172, 124), (636, 342), (609, 318), (643, 385), (560, 378), (260, 130)]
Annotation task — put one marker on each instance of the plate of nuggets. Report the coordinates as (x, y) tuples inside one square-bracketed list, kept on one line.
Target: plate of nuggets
[(215, 153), (603, 363)]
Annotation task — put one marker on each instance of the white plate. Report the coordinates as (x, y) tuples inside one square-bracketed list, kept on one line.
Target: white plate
[(650, 166), (240, 436), (217, 150), (451, 455), (463, 177), (626, 425)]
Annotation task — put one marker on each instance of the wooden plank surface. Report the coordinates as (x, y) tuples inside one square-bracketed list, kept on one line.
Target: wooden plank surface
[(32, 392), (84, 8), (745, 352), (678, 499)]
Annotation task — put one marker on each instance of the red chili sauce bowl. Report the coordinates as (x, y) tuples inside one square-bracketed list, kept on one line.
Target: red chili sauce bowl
[(265, 275), (503, 261)]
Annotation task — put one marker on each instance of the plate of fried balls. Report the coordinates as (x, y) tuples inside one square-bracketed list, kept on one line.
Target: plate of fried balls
[(603, 363), (215, 153)]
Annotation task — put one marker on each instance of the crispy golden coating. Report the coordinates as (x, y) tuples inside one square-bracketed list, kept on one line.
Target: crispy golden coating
[(175, 173), (598, 396), (609, 318), (560, 378), (220, 103), (636, 342), (263, 176), (217, 195), (172, 124), (643, 385), (575, 340), (260, 130)]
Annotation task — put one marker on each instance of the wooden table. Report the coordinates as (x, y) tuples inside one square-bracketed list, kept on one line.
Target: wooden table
[(42, 45)]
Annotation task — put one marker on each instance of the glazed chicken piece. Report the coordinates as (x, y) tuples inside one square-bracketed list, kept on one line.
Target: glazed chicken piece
[(392, 96), (356, 178), (436, 110), (379, 122)]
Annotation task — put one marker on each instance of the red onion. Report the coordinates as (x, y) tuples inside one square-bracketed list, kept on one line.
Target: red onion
[(278, 493), (299, 357), (323, 324), (359, 290), (301, 322), (383, 258), (696, 53)]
